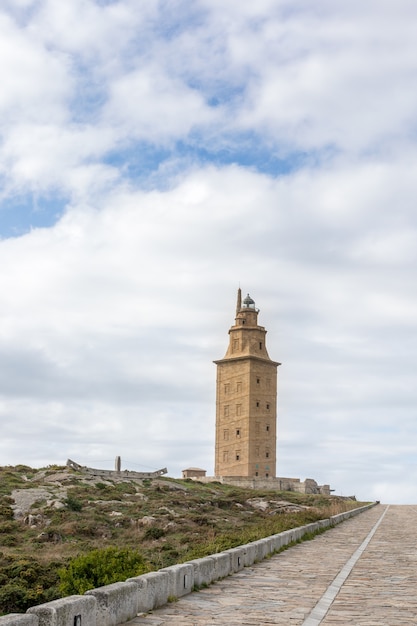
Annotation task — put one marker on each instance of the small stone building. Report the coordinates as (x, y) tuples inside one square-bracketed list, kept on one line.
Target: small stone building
[(193, 472)]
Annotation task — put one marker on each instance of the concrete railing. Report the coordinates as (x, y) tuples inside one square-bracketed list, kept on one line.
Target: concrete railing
[(120, 602)]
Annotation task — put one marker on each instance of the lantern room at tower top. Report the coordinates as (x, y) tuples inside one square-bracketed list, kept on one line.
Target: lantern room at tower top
[(246, 337)]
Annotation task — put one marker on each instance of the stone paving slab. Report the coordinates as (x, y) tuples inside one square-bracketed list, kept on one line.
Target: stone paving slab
[(381, 590), (284, 589)]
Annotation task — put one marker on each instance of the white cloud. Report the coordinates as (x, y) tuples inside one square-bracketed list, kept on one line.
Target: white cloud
[(41, 157), (154, 107), (313, 82), (84, 29), (299, 81), (35, 83)]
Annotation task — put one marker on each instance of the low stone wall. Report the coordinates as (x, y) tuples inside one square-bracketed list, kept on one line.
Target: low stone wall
[(112, 474), (309, 485), (120, 602)]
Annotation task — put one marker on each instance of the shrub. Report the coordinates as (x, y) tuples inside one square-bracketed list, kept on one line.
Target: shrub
[(154, 533), (8, 540), (8, 527), (25, 582), (12, 597), (100, 567), (73, 504), (6, 512), (86, 528)]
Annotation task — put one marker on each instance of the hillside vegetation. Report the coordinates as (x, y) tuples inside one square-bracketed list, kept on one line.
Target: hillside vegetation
[(51, 516)]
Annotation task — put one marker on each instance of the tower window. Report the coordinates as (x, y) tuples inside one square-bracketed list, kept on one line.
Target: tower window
[(237, 432), (235, 345), (239, 387), (237, 455), (226, 434), (267, 455), (258, 380), (267, 428), (227, 388), (257, 451), (267, 407), (257, 428), (257, 405), (225, 456), (238, 409), (260, 345), (226, 410)]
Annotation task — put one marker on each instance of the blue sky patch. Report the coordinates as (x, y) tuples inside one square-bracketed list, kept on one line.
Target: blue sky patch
[(20, 215)]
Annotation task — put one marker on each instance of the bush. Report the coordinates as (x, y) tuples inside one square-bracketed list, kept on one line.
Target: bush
[(13, 597), (8, 527), (100, 567), (25, 582), (6, 512), (154, 533), (8, 540), (73, 504)]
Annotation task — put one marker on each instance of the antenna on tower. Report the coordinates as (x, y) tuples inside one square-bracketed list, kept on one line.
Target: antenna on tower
[(239, 300)]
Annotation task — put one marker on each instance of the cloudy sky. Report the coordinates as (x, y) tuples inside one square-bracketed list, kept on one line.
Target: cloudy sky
[(154, 156)]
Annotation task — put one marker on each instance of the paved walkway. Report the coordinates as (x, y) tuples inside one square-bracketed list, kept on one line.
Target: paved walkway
[(361, 573)]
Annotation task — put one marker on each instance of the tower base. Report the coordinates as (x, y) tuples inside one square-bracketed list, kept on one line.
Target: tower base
[(309, 485)]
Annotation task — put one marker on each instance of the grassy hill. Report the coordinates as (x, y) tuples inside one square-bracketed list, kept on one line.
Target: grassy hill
[(50, 516)]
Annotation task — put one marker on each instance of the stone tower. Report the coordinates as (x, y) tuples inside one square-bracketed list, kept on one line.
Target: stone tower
[(246, 400)]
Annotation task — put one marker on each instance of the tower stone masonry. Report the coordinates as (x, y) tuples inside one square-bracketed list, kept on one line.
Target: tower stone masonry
[(246, 400)]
